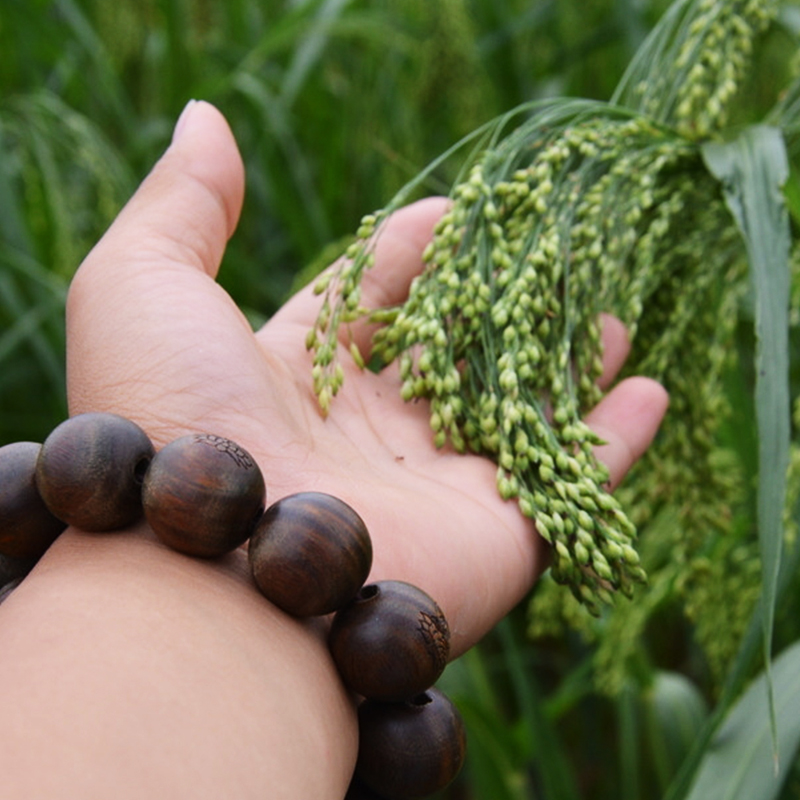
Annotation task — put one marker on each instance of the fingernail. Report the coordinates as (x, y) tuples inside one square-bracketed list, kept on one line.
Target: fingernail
[(183, 119)]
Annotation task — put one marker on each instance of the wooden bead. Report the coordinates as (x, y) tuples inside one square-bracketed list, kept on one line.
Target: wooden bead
[(390, 642), (310, 554), (27, 528), (90, 471), (411, 749), (203, 494)]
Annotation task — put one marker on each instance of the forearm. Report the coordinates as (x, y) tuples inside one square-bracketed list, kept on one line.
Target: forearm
[(128, 670)]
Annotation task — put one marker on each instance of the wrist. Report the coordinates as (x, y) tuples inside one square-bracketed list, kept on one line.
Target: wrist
[(207, 663), (309, 553)]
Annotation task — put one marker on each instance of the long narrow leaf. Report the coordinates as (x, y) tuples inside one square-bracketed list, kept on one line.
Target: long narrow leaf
[(310, 49), (752, 169), (107, 86), (277, 121), (738, 764), (12, 226), (555, 772), (681, 786), (13, 305), (494, 764)]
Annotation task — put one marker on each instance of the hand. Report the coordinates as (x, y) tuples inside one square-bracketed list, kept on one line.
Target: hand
[(153, 337)]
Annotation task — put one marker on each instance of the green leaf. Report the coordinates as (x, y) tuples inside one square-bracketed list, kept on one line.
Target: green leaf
[(547, 752), (310, 49), (12, 225), (679, 789), (630, 744), (752, 170), (495, 768), (675, 712), (738, 765)]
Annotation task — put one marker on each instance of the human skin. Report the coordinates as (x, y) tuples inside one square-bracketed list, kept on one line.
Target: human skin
[(131, 671)]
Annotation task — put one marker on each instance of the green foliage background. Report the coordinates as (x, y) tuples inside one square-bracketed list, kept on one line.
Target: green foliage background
[(336, 104)]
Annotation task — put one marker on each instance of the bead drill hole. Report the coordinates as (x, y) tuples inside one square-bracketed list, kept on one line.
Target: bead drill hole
[(368, 592), (421, 699), (140, 470)]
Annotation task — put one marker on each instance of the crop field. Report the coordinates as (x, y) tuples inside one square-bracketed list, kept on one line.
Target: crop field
[(344, 108)]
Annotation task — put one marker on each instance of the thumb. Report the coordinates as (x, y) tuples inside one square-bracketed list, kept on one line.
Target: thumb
[(188, 207), (146, 293)]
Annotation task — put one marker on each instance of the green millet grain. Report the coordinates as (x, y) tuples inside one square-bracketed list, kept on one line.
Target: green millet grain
[(568, 209)]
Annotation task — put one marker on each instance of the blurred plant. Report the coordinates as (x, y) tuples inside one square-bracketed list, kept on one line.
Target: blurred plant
[(335, 104), (74, 182)]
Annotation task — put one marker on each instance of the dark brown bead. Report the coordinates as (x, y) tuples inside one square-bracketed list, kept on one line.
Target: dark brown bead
[(27, 528), (390, 642), (310, 554), (90, 471), (203, 494), (411, 749)]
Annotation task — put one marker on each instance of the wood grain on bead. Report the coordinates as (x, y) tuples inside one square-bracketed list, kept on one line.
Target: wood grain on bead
[(27, 528), (90, 470), (310, 554), (411, 749), (390, 642), (203, 494)]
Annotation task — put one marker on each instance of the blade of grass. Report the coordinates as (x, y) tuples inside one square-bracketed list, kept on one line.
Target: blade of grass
[(630, 736), (112, 91), (48, 357), (494, 765), (55, 194), (674, 712), (574, 687), (310, 49), (629, 15), (753, 168), (490, 764), (790, 18), (34, 271), (786, 115), (737, 765), (552, 765), (792, 191), (275, 119), (25, 326), (178, 51), (656, 56), (360, 26), (12, 227), (744, 661)]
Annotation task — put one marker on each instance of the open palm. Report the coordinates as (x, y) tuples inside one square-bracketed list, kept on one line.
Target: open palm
[(152, 336)]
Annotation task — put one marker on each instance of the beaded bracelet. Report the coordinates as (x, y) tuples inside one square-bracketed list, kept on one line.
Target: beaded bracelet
[(310, 555)]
